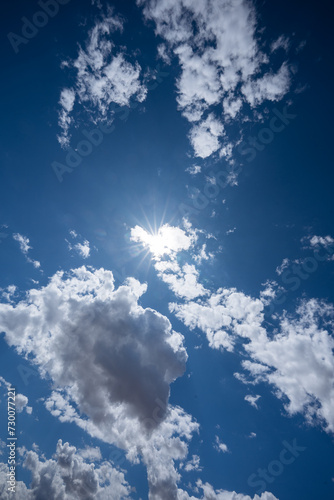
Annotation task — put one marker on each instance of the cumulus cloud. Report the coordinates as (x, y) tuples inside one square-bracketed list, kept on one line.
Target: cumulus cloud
[(8, 293), (104, 76), (299, 363), (223, 314), (69, 475), (204, 136), (193, 464), (83, 249), (271, 87), (222, 63), (23, 241), (50, 326), (21, 403), (296, 359), (21, 491), (184, 282)]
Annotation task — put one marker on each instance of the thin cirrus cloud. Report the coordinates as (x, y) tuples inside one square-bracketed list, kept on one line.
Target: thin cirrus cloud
[(104, 76), (252, 400), (24, 241), (223, 67)]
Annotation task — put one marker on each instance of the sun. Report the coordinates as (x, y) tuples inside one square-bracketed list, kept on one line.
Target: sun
[(166, 241), (155, 242)]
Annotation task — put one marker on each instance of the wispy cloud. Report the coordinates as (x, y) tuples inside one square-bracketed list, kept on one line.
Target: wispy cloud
[(252, 400), (25, 247)]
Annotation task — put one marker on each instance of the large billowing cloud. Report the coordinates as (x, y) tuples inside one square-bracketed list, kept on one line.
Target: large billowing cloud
[(99, 341), (224, 69)]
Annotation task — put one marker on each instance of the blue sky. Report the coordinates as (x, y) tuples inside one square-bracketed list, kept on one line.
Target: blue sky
[(167, 249)]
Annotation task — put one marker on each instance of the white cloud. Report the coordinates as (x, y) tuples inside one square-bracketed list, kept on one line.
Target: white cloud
[(25, 247), (104, 77), (270, 87), (296, 358), (216, 44), (209, 493), (194, 169), (23, 242), (222, 315), (220, 446), (21, 491), (204, 137), (8, 292), (66, 102), (298, 361), (91, 454), (73, 233), (193, 464), (184, 283), (252, 400), (83, 249), (202, 255), (282, 42), (21, 402), (285, 263), (232, 107)]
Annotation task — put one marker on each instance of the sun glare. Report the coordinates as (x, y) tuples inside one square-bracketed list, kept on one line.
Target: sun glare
[(166, 241)]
